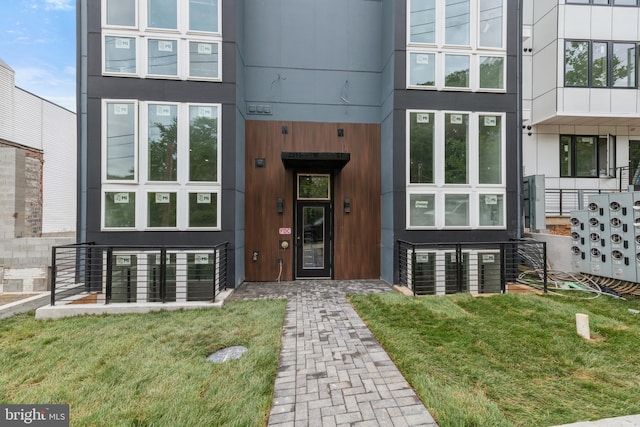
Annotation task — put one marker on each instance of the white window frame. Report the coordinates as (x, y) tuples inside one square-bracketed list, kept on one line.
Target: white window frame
[(141, 186), (103, 150), (474, 71), (103, 8), (473, 189), (473, 49), (474, 28), (142, 33)]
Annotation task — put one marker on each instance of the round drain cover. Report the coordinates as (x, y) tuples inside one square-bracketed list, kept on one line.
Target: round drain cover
[(228, 353)]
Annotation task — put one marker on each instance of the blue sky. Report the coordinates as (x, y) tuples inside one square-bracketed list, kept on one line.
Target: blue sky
[(38, 41)]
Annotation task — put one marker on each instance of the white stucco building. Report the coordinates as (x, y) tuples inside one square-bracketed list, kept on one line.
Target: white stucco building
[(581, 103)]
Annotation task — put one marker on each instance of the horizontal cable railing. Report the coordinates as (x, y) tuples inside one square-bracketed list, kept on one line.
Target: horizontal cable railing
[(477, 268), (90, 273), (561, 202)]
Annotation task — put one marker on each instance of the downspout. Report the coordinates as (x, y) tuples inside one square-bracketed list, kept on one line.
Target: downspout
[(519, 139), (81, 125)]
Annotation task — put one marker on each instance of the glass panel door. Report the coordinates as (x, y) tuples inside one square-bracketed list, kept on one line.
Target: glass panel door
[(313, 248)]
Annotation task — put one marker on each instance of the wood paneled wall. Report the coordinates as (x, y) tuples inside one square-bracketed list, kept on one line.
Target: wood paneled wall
[(356, 234)]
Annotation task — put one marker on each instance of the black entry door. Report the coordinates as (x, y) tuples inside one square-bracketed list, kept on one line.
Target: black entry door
[(313, 239)]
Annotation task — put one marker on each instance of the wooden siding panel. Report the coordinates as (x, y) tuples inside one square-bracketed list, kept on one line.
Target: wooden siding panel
[(356, 234)]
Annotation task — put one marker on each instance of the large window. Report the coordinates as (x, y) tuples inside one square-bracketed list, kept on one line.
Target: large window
[(587, 156), (162, 39), (174, 181), (455, 173), (456, 45), (600, 64)]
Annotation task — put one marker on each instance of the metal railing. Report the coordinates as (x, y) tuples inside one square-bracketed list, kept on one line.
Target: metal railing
[(477, 268), (90, 273), (561, 202)]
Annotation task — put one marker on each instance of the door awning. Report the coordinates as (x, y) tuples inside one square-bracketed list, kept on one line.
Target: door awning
[(314, 160)]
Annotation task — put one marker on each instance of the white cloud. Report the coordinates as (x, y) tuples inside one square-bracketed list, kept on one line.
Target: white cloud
[(57, 87), (58, 5)]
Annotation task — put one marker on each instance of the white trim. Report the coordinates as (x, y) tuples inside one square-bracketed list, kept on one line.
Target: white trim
[(142, 186), (473, 189)]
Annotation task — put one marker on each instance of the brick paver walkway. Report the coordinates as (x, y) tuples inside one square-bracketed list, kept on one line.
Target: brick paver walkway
[(332, 370)]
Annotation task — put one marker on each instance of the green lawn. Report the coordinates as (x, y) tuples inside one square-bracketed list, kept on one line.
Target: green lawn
[(511, 360), (143, 370)]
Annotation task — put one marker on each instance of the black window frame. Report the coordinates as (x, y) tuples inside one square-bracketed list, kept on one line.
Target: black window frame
[(610, 74), (610, 170)]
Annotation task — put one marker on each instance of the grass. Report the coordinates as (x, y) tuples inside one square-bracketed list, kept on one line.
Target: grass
[(511, 360), (146, 370)]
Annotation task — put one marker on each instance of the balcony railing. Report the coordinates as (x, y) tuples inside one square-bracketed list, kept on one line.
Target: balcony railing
[(477, 268), (89, 273)]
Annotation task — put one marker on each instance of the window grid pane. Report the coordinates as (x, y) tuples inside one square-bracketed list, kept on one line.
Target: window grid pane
[(421, 145), (586, 156), (161, 209), (203, 15), (456, 148), (203, 209), (490, 23), (203, 143), (422, 70), (490, 150), (119, 209), (422, 210), (457, 19), (422, 21), (456, 71), (121, 142), (491, 210), (120, 54), (491, 72), (576, 59), (162, 14), (566, 156), (203, 59), (121, 12), (624, 65), (599, 65), (163, 142), (163, 57), (456, 210)]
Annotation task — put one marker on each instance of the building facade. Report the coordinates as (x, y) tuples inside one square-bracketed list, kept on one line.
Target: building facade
[(37, 163), (581, 104), (311, 136)]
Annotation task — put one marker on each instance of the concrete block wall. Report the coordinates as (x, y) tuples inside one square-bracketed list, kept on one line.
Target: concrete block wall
[(7, 191), (25, 263), (20, 192)]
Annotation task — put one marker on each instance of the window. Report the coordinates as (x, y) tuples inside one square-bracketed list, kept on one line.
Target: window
[(422, 21), (455, 176), (165, 39), (175, 182), (121, 12), (585, 156), (457, 21), (456, 45), (120, 144), (600, 64), (456, 71), (120, 55), (314, 187)]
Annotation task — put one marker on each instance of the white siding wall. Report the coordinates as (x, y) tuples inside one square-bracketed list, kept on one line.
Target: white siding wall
[(7, 83), (29, 120), (59, 181)]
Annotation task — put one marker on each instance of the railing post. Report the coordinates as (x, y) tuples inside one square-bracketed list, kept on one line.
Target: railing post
[(107, 298), (53, 275), (215, 272), (544, 258), (503, 263), (163, 274), (458, 267), (413, 269)]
